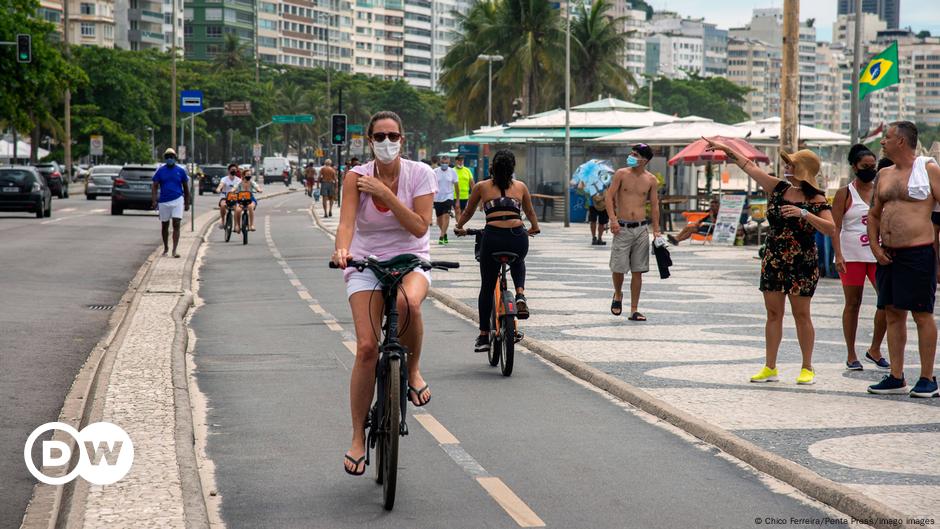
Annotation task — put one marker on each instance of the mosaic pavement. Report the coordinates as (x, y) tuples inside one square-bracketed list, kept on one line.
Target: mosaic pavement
[(704, 339)]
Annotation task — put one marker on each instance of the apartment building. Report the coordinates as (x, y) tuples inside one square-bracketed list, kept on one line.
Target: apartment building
[(756, 65), (138, 24), (920, 74), (169, 15), (379, 38), (676, 46), (419, 60), (843, 29), (887, 10), (91, 23)]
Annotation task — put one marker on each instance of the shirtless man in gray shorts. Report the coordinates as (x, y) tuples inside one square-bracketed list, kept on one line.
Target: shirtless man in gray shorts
[(631, 189)]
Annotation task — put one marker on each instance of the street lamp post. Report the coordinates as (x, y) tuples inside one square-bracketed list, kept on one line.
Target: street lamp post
[(192, 156), (567, 171), (489, 92), (153, 154), (257, 130)]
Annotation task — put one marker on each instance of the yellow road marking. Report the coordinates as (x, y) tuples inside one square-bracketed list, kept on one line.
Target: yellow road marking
[(351, 346), (317, 308), (304, 295), (296, 283), (512, 504), (333, 326), (436, 429)]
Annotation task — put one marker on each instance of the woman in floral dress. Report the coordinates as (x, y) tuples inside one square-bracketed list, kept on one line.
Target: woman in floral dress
[(796, 209)]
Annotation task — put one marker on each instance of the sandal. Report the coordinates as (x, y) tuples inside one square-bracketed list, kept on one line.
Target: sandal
[(356, 462), (636, 316), (616, 305), (418, 393)]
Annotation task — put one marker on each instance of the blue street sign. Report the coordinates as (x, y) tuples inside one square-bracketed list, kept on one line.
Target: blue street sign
[(191, 101)]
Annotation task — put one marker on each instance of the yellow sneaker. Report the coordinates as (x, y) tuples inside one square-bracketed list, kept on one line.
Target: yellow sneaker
[(766, 375), (806, 377)]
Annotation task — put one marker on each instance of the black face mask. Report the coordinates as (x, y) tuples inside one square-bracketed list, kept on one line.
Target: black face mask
[(866, 175), (231, 173)]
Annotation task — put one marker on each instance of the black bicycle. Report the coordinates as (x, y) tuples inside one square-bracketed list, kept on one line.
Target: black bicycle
[(386, 420), (503, 328), (233, 198)]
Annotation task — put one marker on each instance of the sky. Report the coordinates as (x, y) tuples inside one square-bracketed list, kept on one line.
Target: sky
[(918, 14)]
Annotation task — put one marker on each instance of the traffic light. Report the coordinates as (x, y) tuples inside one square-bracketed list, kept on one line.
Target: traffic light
[(24, 48), (338, 135)]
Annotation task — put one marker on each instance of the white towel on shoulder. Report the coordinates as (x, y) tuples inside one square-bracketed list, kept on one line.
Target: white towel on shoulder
[(918, 185)]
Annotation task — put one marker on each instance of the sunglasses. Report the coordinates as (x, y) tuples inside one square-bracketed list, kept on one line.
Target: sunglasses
[(380, 136)]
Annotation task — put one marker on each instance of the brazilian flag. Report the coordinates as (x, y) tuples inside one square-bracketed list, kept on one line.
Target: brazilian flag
[(881, 72)]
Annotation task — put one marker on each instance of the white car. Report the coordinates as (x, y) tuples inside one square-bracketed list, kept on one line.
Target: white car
[(276, 169), (100, 180)]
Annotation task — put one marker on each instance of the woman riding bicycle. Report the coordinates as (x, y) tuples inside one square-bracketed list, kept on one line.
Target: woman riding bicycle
[(394, 199), (504, 200), (247, 184)]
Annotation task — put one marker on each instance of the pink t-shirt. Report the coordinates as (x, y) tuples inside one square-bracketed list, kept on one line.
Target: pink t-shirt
[(379, 233)]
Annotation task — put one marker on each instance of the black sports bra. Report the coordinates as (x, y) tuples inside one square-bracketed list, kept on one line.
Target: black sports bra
[(508, 204)]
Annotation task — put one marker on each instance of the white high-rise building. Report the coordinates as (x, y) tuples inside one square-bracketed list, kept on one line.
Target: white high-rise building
[(419, 51), (168, 21), (755, 65), (379, 38), (92, 23), (635, 26), (843, 29)]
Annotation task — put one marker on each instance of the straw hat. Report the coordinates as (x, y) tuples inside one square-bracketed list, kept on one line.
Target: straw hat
[(805, 166)]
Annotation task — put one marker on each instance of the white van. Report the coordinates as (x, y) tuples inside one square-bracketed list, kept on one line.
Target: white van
[(274, 169)]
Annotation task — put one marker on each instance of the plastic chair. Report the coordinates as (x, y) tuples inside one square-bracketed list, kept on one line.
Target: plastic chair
[(697, 216)]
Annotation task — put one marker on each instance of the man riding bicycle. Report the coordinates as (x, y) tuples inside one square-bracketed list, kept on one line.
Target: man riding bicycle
[(386, 213), (228, 183), (504, 199)]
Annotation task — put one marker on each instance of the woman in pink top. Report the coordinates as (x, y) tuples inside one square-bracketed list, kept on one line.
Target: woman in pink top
[(394, 199)]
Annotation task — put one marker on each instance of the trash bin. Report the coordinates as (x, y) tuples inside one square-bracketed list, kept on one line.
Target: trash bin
[(578, 204)]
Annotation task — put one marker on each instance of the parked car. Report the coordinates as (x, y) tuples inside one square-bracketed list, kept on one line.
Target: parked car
[(54, 175), (276, 169), (212, 175), (100, 179), (132, 188), (23, 188)]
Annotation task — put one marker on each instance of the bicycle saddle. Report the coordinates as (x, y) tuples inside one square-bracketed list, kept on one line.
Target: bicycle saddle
[(507, 257)]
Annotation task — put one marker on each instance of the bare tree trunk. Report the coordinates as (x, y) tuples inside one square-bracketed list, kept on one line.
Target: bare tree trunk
[(34, 140)]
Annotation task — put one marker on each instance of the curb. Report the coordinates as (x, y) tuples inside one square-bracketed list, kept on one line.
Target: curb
[(844, 499), (52, 506)]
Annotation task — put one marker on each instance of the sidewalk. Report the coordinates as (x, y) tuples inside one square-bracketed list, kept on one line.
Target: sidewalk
[(703, 340)]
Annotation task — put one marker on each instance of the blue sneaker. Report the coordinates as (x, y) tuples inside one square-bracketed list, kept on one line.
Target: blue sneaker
[(855, 365), (889, 386), (925, 388), (881, 362)]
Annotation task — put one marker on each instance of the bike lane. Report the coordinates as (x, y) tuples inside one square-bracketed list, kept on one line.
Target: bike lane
[(272, 359)]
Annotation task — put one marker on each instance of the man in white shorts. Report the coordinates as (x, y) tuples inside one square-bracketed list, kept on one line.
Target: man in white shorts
[(169, 183)]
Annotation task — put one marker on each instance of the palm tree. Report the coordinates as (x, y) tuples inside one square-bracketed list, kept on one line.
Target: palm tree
[(290, 100), (463, 76), (597, 47), (234, 54)]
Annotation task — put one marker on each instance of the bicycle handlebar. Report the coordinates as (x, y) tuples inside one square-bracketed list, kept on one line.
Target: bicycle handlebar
[(371, 262)]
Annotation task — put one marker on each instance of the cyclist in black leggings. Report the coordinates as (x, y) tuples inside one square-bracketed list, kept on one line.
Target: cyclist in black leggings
[(504, 199)]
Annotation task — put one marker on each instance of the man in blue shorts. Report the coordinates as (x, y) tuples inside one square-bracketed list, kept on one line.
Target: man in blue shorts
[(170, 182)]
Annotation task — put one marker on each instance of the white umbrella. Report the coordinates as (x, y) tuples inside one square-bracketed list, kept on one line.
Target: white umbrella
[(767, 131), (682, 131), (22, 150)]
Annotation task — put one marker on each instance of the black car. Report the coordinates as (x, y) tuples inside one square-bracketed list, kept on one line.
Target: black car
[(132, 188), (24, 189), (212, 175), (55, 177)]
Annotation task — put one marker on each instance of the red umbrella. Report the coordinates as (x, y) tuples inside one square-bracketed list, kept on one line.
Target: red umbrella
[(695, 152)]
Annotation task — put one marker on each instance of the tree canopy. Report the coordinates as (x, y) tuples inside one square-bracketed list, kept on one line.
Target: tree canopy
[(715, 98)]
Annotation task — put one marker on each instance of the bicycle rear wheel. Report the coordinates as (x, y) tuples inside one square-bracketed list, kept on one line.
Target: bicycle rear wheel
[(493, 354), (508, 339), (245, 228), (389, 442), (228, 226)]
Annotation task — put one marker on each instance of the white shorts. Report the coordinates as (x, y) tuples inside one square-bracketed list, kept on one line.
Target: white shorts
[(171, 209), (363, 281)]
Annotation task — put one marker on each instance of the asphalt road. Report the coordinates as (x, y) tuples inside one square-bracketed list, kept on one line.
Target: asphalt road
[(52, 270), (272, 364)]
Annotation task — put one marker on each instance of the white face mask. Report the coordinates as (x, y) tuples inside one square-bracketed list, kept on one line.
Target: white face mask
[(386, 151)]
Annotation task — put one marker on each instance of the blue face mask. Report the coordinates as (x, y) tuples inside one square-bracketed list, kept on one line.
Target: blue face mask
[(632, 161), (171, 161)]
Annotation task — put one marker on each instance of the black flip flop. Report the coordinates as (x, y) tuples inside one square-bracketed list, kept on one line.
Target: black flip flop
[(355, 462), (636, 316), (418, 393), (617, 305)]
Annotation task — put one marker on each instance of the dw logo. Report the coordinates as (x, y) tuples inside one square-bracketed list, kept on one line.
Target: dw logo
[(106, 453)]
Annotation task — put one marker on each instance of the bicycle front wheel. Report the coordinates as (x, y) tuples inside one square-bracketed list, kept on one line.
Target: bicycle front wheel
[(228, 226), (389, 460), (508, 339), (244, 228)]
